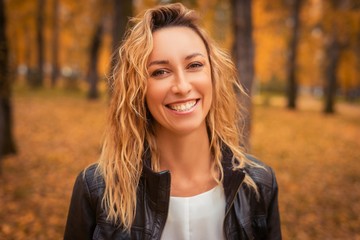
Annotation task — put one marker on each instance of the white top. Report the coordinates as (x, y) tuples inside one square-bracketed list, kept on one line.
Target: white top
[(197, 217)]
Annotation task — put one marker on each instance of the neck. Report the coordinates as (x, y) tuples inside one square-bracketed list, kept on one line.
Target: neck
[(188, 158), (185, 152)]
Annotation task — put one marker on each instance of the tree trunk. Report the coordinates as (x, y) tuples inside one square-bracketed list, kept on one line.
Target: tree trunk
[(122, 11), (55, 43), (37, 76), (293, 49), (93, 76), (244, 58), (331, 65), (7, 145)]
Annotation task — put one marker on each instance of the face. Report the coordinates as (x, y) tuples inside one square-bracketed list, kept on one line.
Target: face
[(179, 90)]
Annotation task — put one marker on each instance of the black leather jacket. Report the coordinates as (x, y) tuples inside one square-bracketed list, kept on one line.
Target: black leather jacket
[(245, 216)]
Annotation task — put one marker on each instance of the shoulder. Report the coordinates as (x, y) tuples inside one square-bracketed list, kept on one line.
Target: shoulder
[(264, 178), (265, 206), (263, 175), (93, 176), (91, 181)]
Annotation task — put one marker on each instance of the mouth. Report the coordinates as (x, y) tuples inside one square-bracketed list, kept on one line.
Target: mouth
[(182, 107)]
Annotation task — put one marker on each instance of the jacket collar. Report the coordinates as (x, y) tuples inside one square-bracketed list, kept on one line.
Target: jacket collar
[(232, 178), (161, 181), (157, 185)]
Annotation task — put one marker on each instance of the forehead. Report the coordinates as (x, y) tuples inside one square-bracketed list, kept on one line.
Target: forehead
[(176, 41)]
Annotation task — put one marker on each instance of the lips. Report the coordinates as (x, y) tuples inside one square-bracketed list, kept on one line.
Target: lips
[(182, 107)]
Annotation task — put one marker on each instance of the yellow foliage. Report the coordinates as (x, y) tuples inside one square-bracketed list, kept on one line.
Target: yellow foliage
[(348, 71), (315, 158), (272, 28)]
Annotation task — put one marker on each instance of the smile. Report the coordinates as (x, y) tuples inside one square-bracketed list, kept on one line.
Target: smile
[(182, 107)]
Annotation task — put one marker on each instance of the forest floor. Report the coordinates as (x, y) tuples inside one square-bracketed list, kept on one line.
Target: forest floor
[(316, 158)]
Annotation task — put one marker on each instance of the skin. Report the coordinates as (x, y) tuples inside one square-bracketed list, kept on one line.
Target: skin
[(179, 96)]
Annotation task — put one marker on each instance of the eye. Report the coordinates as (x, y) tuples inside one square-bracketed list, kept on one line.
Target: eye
[(159, 73), (195, 65)]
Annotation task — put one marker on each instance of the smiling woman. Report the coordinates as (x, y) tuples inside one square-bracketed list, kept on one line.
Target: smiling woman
[(171, 166), (179, 88)]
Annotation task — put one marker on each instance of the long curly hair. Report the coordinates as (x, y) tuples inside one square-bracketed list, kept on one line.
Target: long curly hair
[(130, 131)]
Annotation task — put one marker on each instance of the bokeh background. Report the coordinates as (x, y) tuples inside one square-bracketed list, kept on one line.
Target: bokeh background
[(301, 68)]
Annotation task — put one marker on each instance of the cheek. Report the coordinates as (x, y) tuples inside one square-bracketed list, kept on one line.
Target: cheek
[(154, 96), (210, 96), (208, 92), (207, 86)]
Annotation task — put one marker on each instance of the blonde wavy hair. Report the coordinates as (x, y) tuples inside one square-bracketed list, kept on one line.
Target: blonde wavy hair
[(130, 133)]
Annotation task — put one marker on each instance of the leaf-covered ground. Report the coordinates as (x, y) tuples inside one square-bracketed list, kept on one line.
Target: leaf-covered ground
[(316, 158)]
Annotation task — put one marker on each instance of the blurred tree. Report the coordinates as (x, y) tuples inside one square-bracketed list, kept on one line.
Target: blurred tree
[(93, 76), (122, 11), (340, 34), (7, 145), (271, 33), (55, 42), (292, 55), (99, 8), (332, 52), (243, 51), (38, 75), (330, 30)]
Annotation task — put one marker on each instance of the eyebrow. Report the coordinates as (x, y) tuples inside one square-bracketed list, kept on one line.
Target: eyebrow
[(194, 55), (159, 62), (164, 62)]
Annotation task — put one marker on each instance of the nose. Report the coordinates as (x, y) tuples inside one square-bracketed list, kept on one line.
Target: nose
[(181, 84)]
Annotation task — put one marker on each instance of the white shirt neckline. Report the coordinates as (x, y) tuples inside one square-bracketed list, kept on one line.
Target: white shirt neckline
[(196, 217)]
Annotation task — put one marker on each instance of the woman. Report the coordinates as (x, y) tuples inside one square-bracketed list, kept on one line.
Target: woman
[(171, 166)]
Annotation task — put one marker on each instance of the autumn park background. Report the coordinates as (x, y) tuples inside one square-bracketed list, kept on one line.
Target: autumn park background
[(299, 60)]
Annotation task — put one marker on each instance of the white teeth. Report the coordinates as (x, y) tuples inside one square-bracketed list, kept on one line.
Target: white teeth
[(183, 107)]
